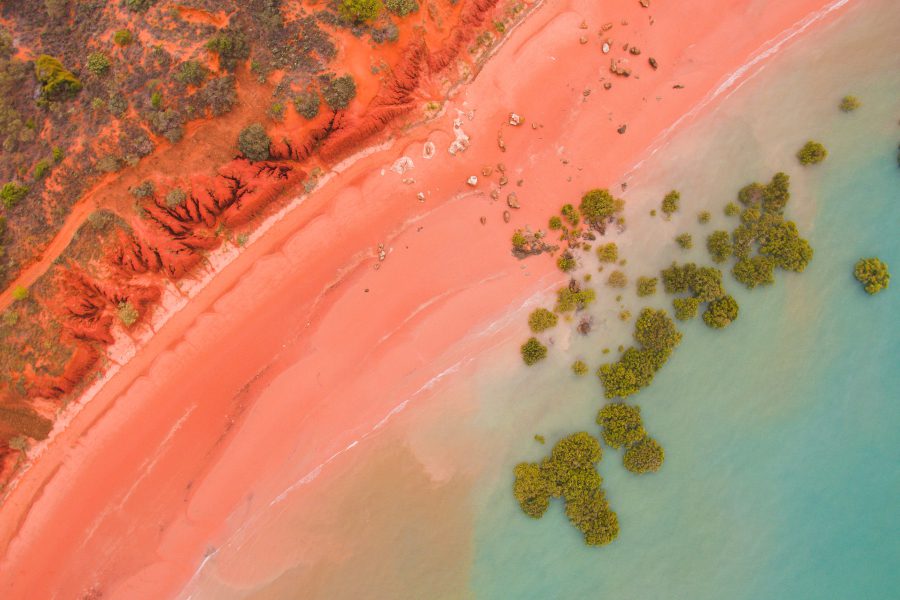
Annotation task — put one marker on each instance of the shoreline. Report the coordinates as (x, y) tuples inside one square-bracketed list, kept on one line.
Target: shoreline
[(345, 280)]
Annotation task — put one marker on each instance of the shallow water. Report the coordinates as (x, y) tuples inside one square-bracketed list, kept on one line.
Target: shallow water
[(780, 432)]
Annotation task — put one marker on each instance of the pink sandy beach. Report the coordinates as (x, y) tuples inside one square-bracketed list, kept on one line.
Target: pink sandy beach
[(300, 346)]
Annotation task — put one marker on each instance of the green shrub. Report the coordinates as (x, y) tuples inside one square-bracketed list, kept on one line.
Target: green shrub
[(98, 63), (732, 209), (646, 286), (655, 330), (555, 223), (401, 8), (608, 253), (706, 284), (122, 37), (12, 193), (127, 313), (231, 45), (721, 312), (191, 72), (566, 262), (598, 205), (253, 142), (542, 319), (685, 308), (811, 153), (57, 83), (782, 242), (703, 217), (676, 278), (873, 274), (754, 271), (339, 91), (621, 424), (580, 368), (139, 5), (568, 299), (360, 11), (143, 190), (849, 103), (685, 241), (307, 104), (670, 202), (58, 154), (646, 456), (175, 197), (571, 215), (752, 194), (156, 100), (718, 243), (519, 240), (19, 292), (41, 169), (533, 351), (617, 279)]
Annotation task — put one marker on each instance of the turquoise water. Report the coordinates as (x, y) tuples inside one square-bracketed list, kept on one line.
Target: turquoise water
[(782, 467)]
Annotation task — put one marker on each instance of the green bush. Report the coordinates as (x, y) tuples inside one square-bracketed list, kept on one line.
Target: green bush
[(566, 262), (360, 11), (732, 209), (655, 330), (670, 202), (127, 313), (519, 240), (58, 154), (122, 37), (41, 169), (811, 153), (579, 368), (685, 308), (401, 8), (754, 271), (706, 284), (718, 243), (339, 91), (191, 72), (57, 83), (571, 215), (12, 193), (175, 197), (598, 205), (685, 240), (646, 456), (19, 293), (703, 217), (253, 142), (568, 299), (542, 319), (555, 223), (231, 45), (98, 63), (139, 5), (721, 312), (646, 286), (156, 100), (676, 278), (307, 104), (849, 103), (533, 351), (617, 279), (608, 253), (873, 274), (621, 424)]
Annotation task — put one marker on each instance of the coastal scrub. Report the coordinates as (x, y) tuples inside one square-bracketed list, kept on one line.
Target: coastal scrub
[(873, 274)]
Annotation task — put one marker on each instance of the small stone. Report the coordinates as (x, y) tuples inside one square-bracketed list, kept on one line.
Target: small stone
[(583, 25), (605, 47), (501, 144), (377, 266), (408, 180), (382, 255), (486, 171), (515, 120), (586, 92), (495, 194), (506, 216), (635, 50), (583, 40), (483, 220), (501, 167), (622, 128), (473, 180), (534, 125), (421, 196), (520, 182), (606, 26), (503, 180), (645, 3), (653, 63), (512, 200), (428, 150), (607, 85), (677, 86)]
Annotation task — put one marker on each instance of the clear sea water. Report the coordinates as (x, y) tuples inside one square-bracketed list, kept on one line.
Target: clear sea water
[(782, 433)]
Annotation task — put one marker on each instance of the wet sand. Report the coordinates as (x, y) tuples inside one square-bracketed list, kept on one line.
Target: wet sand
[(300, 347)]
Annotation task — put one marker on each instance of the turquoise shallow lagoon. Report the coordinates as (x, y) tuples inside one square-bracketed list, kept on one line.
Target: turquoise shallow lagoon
[(781, 432)]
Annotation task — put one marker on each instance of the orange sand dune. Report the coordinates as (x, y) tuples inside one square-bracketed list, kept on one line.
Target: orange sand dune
[(301, 346)]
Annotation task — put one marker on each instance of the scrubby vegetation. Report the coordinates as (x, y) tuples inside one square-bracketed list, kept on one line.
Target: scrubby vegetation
[(12, 193), (849, 103), (718, 243), (57, 82), (646, 456), (573, 297), (811, 153), (569, 473), (685, 308), (307, 104), (253, 142), (670, 202), (685, 241), (621, 424), (579, 368), (721, 312), (401, 8), (542, 319), (533, 351), (231, 45), (360, 11), (703, 217), (339, 91), (617, 279), (566, 262), (646, 286), (873, 274), (608, 253), (598, 206)]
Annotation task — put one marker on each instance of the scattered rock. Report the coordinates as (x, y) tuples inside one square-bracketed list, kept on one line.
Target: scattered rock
[(618, 67), (486, 171), (607, 85), (645, 3), (402, 165), (622, 128), (534, 125), (506, 216), (428, 150), (515, 120), (495, 194), (501, 167), (472, 180), (377, 266), (421, 196), (605, 47), (677, 86), (512, 200), (653, 63), (483, 220), (500, 143), (606, 26), (635, 50), (408, 180), (586, 92), (382, 255), (503, 180), (520, 182), (583, 40), (462, 140), (583, 25)]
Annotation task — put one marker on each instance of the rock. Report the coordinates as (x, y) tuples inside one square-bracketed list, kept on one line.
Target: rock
[(622, 128), (583, 25), (402, 165), (495, 194), (377, 266), (428, 150), (645, 3), (606, 26), (607, 85), (605, 47), (503, 180), (653, 63), (515, 120), (583, 40), (486, 171), (512, 200), (500, 143), (421, 196), (506, 216), (634, 50), (483, 220), (408, 180), (677, 86), (586, 92), (501, 167), (534, 125), (473, 180)]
